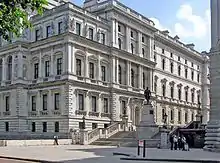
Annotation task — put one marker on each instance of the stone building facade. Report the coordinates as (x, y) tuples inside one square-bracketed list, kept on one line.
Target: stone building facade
[(96, 62)]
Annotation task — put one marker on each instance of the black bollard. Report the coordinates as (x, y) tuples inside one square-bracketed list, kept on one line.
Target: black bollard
[(138, 149), (144, 148)]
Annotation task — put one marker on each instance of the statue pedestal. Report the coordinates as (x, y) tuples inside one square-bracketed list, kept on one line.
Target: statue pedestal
[(147, 127)]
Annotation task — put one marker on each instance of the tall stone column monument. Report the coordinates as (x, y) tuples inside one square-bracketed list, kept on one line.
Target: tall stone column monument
[(212, 139)]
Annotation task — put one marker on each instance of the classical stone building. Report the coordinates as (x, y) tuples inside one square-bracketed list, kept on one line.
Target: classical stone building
[(96, 62)]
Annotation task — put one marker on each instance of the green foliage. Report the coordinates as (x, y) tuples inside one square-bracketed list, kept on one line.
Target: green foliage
[(14, 15)]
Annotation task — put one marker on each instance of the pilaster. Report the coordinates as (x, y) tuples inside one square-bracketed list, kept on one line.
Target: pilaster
[(140, 77), (113, 32), (128, 73), (116, 67), (40, 65), (139, 49), (3, 69), (52, 62), (128, 39)]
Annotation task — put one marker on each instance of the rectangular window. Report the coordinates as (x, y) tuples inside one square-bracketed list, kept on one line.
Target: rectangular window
[(185, 61), (198, 78), (36, 70), (179, 116), (81, 102), (94, 104), (103, 38), (90, 33), (103, 73), (44, 102), (171, 55), (47, 68), (143, 39), (49, 31), (105, 105), (123, 105), (7, 103), (33, 103), (33, 127), (7, 126), (91, 70), (56, 127), (171, 92), (192, 64), (119, 28), (60, 25), (78, 67), (163, 51), (132, 34), (37, 34), (59, 66), (186, 117), (192, 75), (78, 28), (178, 58), (56, 101), (44, 126)]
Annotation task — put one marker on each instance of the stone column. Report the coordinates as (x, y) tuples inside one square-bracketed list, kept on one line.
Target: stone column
[(69, 58), (3, 69), (87, 103), (20, 65), (139, 48), (98, 69), (13, 68), (116, 75), (99, 109), (116, 34), (50, 101), (40, 65), (150, 53), (150, 79), (113, 70), (86, 68), (52, 63), (128, 39), (214, 22), (140, 77), (128, 73), (73, 57), (113, 32), (39, 101)]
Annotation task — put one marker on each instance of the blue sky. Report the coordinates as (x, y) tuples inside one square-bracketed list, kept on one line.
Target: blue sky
[(189, 19)]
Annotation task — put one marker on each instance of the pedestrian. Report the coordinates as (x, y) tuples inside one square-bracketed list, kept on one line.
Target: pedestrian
[(171, 142), (180, 146), (175, 141), (184, 143)]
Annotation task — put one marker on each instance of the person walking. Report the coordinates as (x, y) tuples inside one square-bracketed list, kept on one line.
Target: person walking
[(171, 142), (184, 142), (180, 146), (175, 141)]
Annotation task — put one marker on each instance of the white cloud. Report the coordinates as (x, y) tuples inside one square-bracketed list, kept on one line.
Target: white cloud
[(189, 26), (199, 24)]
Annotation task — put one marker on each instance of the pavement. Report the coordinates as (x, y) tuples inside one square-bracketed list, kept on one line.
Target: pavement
[(96, 154), (12, 161)]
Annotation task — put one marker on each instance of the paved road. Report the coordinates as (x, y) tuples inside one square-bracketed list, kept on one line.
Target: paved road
[(12, 161)]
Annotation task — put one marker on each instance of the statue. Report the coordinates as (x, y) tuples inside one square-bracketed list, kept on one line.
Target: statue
[(84, 122), (147, 94)]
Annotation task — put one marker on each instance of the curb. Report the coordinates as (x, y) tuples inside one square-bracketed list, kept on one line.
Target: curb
[(26, 159), (170, 160), (121, 154)]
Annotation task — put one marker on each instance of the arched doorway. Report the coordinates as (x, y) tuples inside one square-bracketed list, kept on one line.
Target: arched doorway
[(137, 116)]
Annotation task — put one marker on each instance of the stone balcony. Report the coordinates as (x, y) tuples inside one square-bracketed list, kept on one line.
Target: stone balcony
[(33, 113), (106, 115), (94, 114), (56, 112), (7, 113), (81, 112), (44, 112)]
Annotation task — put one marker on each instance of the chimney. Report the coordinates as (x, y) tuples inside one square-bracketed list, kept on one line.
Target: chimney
[(176, 38), (191, 46), (165, 32)]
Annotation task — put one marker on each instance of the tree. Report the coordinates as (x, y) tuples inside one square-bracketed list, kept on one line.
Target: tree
[(14, 15)]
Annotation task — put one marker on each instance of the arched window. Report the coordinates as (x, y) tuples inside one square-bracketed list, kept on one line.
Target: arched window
[(193, 96), (0, 69), (186, 73), (179, 70), (192, 75), (192, 117), (171, 67), (171, 115), (143, 80), (132, 48), (179, 93), (179, 116), (155, 86), (119, 74), (143, 51), (164, 90), (163, 64), (119, 43), (171, 92), (186, 95), (9, 68), (132, 77), (163, 113), (186, 117)]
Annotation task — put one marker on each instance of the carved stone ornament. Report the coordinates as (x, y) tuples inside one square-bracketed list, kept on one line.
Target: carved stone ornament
[(24, 71), (16, 70), (72, 24), (98, 35)]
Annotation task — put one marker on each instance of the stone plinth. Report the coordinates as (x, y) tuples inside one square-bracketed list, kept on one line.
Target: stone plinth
[(212, 139), (164, 138), (147, 128)]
